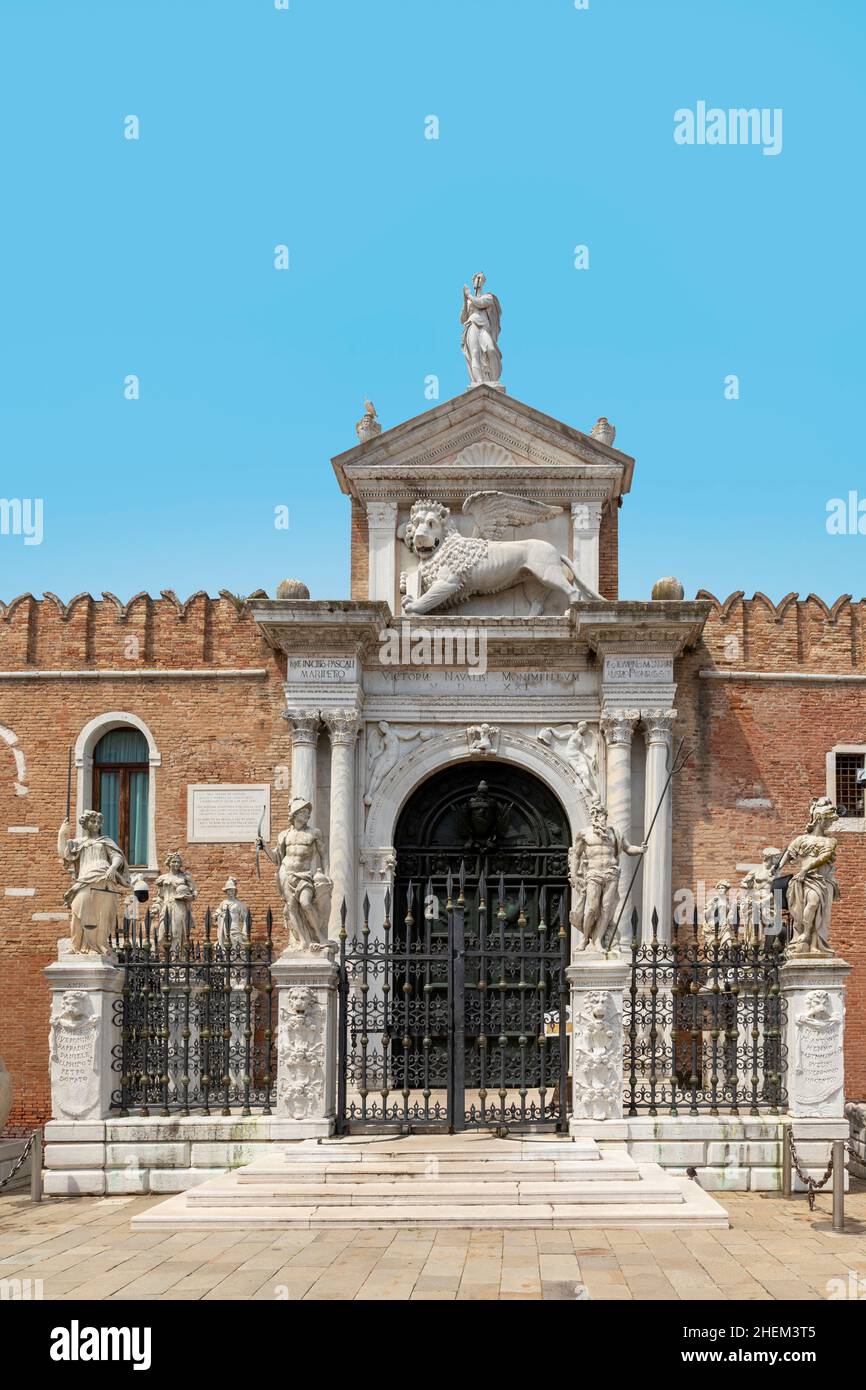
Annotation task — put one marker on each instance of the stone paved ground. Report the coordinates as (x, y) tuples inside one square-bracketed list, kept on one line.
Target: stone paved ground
[(83, 1248)]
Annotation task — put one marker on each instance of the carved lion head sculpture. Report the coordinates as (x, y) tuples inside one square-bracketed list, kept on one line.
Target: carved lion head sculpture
[(302, 1003), (75, 1007), (427, 527)]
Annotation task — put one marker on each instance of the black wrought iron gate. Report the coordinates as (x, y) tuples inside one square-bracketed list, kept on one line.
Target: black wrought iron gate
[(458, 1028)]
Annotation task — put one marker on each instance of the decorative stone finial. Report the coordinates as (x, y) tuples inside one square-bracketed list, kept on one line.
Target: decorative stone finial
[(368, 426), (668, 588), (292, 588), (603, 431), (481, 317)]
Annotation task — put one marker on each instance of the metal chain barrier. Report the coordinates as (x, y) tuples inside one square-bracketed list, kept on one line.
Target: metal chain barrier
[(19, 1162), (814, 1185)]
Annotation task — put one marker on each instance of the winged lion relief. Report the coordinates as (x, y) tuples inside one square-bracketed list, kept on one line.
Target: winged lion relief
[(453, 567)]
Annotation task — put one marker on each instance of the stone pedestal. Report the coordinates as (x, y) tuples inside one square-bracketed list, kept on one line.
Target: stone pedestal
[(306, 988), (814, 991), (83, 1032), (597, 983)]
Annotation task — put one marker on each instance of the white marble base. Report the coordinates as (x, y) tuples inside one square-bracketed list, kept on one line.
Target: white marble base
[(82, 1034), (605, 1131), (814, 991), (597, 981), (306, 988)]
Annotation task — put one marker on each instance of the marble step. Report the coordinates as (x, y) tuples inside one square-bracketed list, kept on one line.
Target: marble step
[(445, 1148), (389, 1194), (696, 1209), (462, 1169)]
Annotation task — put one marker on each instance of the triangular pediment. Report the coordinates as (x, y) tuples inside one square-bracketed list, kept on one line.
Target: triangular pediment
[(480, 439)]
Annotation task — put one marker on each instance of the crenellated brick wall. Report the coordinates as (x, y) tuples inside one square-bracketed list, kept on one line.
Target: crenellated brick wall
[(208, 728), (760, 756)]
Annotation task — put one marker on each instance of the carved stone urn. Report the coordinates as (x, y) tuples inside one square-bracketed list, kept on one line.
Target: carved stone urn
[(5, 1093)]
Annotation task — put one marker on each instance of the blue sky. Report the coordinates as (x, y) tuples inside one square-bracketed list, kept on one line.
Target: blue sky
[(305, 127)]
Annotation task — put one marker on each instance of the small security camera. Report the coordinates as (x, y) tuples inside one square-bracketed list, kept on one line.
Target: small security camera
[(140, 889)]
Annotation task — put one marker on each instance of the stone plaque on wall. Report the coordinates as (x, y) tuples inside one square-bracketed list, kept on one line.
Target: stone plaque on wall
[(638, 670), (227, 813), (321, 670)]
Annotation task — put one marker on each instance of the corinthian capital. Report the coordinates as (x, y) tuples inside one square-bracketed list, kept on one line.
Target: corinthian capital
[(658, 725), (618, 725), (342, 724), (382, 516), (304, 724)]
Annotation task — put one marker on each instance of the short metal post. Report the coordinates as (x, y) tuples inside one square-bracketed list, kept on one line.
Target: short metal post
[(838, 1184), (787, 1185), (36, 1167)]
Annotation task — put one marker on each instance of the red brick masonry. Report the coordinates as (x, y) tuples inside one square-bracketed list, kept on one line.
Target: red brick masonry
[(759, 741)]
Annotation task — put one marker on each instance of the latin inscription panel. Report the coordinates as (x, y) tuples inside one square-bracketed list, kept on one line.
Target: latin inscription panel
[(227, 813)]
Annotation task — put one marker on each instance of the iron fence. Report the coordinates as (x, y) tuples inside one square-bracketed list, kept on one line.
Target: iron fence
[(450, 1017), (703, 1021), (196, 1020)]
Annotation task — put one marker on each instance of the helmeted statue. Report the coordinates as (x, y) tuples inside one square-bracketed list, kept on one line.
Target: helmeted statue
[(718, 916), (302, 878), (101, 872), (231, 917)]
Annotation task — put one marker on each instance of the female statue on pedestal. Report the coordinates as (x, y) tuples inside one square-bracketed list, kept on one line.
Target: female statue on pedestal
[(814, 887), (100, 871)]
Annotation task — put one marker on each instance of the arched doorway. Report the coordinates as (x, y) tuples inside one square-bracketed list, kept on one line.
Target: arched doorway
[(451, 1013), (495, 819)]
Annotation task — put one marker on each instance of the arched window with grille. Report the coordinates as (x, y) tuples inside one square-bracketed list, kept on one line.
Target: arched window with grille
[(120, 790)]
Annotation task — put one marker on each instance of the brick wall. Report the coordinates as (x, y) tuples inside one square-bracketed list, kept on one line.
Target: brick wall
[(608, 552), (766, 742), (360, 562), (756, 741), (206, 729)]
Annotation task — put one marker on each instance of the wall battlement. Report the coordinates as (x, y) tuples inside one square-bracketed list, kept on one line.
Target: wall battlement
[(165, 632), (792, 635)]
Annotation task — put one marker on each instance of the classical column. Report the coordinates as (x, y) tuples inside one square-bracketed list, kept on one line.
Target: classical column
[(304, 724), (657, 888), (585, 527), (381, 533), (617, 727), (343, 725), (377, 876)]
